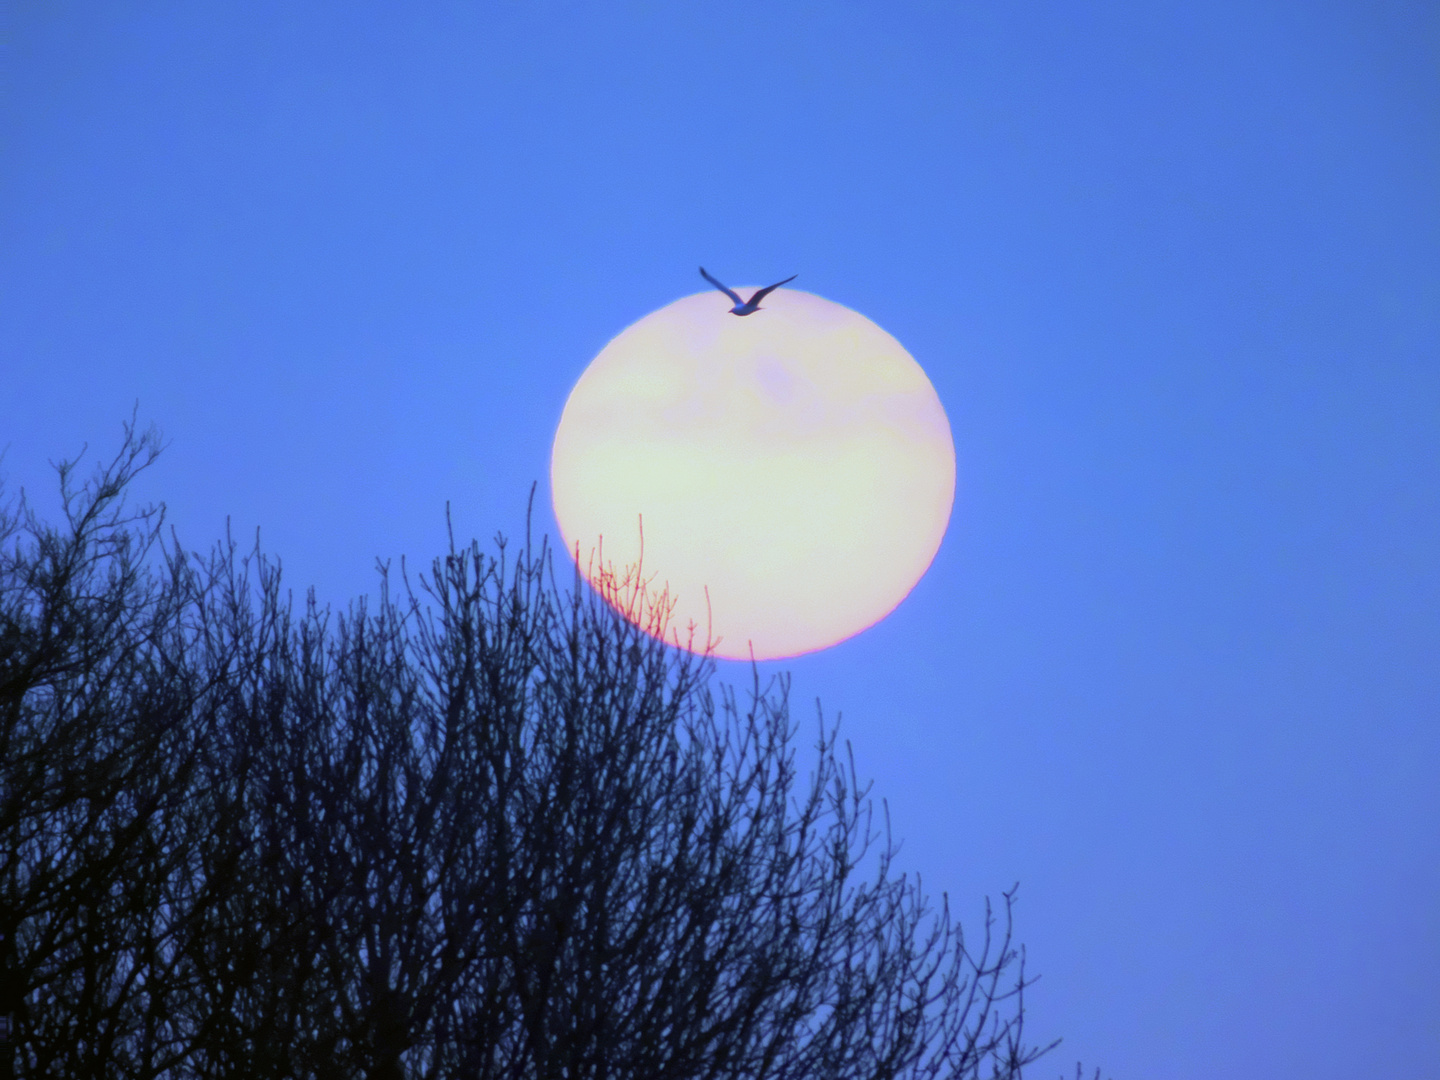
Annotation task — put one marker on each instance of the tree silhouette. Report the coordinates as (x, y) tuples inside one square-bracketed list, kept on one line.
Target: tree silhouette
[(96, 744), (482, 827)]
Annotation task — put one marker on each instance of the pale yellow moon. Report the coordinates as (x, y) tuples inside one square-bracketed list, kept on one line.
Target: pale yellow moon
[(794, 468)]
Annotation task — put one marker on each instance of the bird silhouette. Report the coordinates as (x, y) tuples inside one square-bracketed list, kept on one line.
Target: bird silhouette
[(746, 307)]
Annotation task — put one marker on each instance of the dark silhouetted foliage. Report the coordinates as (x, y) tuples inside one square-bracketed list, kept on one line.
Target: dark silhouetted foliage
[(482, 827)]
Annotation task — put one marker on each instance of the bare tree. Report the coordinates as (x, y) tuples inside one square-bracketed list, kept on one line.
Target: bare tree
[(95, 741), (484, 827)]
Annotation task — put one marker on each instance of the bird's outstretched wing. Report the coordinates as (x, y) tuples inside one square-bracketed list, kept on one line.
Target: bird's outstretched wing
[(760, 294), (722, 288)]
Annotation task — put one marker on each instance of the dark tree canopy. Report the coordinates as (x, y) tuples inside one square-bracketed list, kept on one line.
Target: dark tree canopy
[(481, 827)]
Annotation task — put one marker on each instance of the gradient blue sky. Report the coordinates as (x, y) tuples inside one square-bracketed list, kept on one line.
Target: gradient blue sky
[(1174, 271)]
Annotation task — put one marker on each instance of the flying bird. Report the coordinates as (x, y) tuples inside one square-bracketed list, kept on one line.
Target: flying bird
[(746, 307)]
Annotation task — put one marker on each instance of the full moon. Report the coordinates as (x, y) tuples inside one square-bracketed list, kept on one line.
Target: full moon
[(792, 471)]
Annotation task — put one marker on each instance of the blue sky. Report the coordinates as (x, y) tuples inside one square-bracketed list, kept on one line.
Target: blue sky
[(1174, 271)]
